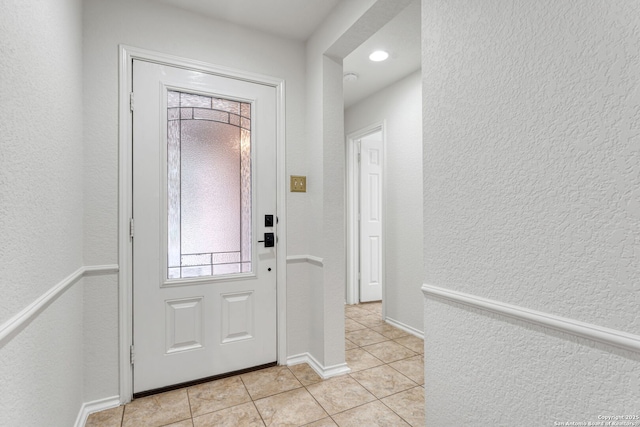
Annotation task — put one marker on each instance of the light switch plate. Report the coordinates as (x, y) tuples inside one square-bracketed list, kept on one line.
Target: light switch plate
[(298, 184)]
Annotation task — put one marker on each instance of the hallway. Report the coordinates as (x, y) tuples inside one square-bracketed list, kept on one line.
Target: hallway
[(385, 387)]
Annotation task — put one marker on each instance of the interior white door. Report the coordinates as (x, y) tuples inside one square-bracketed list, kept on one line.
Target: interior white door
[(371, 158), (204, 180)]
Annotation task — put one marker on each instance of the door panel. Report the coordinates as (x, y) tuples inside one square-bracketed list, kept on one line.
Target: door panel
[(204, 173), (371, 217)]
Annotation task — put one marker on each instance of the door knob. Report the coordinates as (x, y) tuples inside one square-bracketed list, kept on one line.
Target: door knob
[(269, 240)]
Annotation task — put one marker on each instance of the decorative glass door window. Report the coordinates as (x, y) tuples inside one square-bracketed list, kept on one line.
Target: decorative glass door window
[(208, 186)]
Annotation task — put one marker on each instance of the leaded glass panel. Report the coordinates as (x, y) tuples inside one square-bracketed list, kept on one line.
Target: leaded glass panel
[(208, 186)]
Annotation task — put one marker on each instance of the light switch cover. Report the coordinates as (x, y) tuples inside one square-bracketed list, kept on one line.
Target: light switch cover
[(298, 184)]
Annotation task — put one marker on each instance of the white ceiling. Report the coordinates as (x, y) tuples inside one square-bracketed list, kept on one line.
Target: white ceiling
[(298, 19), (401, 39)]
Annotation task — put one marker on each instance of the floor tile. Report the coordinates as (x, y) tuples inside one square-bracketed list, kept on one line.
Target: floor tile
[(389, 351), (413, 368), (374, 307), (339, 394), (383, 381), (348, 345), (305, 374), (365, 337), (409, 405), (371, 320), (107, 418), (157, 410), (291, 408), (370, 415), (353, 311), (216, 395), (267, 382), (412, 343), (390, 331), (385, 388), (352, 325), (245, 414), (325, 422), (358, 359)]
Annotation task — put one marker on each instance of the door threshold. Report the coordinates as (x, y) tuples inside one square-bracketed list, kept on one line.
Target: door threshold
[(201, 380)]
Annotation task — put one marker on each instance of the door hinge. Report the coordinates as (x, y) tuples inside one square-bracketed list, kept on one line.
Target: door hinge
[(131, 100), (132, 354), (131, 228)]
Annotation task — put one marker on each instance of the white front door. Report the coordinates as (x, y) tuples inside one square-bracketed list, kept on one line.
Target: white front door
[(371, 158), (204, 184)]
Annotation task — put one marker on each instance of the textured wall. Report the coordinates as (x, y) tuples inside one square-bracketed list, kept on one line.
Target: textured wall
[(400, 106), (41, 367), (324, 123), (532, 192), (531, 147), (349, 24), (41, 156), (41, 208), (333, 204), (100, 338), (488, 370)]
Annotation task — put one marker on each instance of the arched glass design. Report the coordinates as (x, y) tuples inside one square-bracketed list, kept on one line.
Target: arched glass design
[(208, 186)]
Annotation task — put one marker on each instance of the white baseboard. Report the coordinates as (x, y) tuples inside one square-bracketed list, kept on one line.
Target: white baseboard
[(324, 372), (406, 328), (95, 406)]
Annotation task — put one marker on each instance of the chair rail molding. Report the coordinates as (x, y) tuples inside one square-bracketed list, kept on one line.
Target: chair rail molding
[(590, 331), (9, 328)]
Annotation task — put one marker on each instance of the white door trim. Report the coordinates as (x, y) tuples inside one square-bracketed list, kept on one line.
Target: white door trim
[(353, 252), (126, 55)]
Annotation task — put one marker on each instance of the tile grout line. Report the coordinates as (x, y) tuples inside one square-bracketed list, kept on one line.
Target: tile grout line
[(319, 404), (387, 339), (190, 410), (383, 364), (399, 416)]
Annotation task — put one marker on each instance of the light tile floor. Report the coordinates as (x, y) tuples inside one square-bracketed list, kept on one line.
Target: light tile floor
[(385, 388)]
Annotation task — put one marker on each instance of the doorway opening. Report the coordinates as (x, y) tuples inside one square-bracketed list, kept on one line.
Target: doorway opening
[(365, 210)]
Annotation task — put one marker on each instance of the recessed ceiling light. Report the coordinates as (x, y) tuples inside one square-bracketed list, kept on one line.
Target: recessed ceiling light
[(379, 55)]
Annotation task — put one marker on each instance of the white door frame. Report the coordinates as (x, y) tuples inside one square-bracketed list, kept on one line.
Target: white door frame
[(125, 199), (353, 200)]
